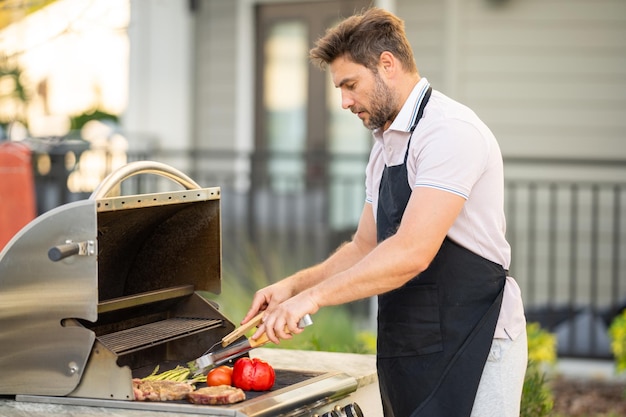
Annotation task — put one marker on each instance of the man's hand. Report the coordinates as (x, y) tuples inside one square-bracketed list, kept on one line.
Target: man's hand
[(281, 321), (268, 298)]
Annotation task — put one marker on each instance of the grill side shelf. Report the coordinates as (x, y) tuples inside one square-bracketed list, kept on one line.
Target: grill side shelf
[(152, 334)]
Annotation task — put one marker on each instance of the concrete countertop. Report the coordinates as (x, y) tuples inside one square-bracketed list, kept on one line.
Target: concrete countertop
[(361, 367)]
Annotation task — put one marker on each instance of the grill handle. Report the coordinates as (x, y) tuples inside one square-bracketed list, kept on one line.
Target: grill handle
[(56, 253), (141, 167), (70, 248)]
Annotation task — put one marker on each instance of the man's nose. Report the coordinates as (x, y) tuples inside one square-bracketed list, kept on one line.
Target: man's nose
[(346, 101)]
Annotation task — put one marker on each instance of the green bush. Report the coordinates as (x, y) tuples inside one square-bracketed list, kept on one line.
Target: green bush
[(541, 345), (537, 397), (617, 334)]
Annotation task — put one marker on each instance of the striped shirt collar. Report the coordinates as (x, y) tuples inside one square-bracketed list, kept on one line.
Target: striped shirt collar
[(405, 118)]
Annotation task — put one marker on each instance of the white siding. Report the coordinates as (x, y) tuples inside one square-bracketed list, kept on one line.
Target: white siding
[(425, 27), (159, 74), (215, 110), (548, 76)]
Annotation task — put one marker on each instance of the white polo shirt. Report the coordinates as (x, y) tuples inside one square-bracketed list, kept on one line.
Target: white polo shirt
[(453, 150)]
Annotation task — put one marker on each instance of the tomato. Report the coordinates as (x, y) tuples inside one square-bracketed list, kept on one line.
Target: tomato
[(253, 375), (222, 375)]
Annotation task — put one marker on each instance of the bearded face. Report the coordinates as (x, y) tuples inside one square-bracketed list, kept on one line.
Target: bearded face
[(382, 105), (365, 93)]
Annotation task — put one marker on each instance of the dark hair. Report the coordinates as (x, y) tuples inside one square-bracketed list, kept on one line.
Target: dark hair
[(362, 38)]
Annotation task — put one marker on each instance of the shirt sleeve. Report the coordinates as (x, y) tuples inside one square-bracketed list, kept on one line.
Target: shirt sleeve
[(450, 156), (372, 180)]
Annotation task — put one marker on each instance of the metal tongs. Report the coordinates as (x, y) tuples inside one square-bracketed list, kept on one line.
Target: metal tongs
[(230, 350)]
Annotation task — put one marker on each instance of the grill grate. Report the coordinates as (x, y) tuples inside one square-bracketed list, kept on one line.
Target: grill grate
[(152, 334)]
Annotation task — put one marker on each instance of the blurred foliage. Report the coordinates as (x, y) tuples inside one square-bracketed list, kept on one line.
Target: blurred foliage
[(13, 10), (78, 121), (541, 345), (12, 91), (12, 75), (617, 334), (537, 397)]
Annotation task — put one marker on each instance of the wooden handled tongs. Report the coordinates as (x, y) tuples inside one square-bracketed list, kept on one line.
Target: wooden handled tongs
[(254, 322), (231, 350)]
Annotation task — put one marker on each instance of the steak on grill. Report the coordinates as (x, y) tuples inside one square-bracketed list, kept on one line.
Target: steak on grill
[(221, 394), (161, 390)]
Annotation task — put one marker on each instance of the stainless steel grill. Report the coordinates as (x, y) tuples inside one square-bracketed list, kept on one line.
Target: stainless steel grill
[(97, 292)]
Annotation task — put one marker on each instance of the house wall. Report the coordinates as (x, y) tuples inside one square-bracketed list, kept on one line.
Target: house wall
[(215, 86), (160, 75), (548, 76)]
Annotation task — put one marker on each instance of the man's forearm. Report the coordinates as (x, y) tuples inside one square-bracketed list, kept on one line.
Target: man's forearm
[(347, 255)]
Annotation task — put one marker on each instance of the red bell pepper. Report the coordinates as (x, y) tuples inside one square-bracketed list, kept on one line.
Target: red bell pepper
[(253, 375)]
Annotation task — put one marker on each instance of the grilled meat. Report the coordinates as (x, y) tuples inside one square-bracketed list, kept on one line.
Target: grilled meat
[(221, 394), (161, 390)]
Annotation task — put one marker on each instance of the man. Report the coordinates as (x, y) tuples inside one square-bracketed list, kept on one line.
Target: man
[(430, 241)]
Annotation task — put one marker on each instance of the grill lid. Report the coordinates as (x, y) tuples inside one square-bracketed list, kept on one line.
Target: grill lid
[(161, 240)]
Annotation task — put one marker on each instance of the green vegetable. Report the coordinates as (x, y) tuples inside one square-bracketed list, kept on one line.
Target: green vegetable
[(178, 374)]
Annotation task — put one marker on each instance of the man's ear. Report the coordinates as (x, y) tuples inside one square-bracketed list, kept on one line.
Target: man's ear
[(387, 62)]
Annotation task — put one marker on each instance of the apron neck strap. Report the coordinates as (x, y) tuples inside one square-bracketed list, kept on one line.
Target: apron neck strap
[(420, 111)]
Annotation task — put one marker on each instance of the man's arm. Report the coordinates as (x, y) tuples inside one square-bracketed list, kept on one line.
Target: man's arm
[(429, 215)]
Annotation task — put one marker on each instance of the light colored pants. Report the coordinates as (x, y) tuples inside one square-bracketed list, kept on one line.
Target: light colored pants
[(500, 388)]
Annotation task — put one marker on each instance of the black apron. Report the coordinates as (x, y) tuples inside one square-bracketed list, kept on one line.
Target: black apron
[(434, 332)]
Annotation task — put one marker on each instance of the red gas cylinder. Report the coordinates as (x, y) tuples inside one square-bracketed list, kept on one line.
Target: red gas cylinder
[(17, 189)]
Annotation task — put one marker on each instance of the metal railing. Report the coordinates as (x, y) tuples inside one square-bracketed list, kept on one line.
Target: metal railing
[(567, 232), (568, 239)]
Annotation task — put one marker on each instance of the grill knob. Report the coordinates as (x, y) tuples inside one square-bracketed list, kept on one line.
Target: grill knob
[(336, 412), (352, 410)]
